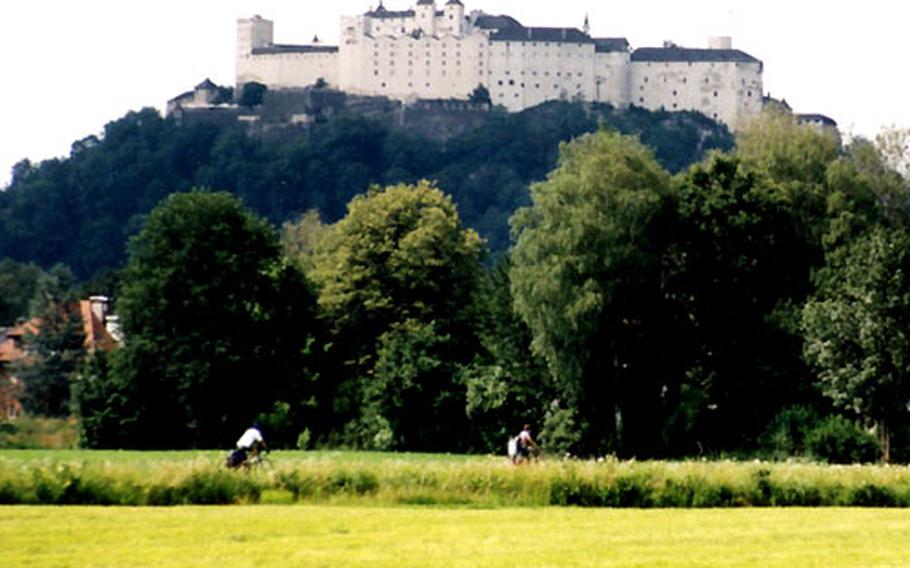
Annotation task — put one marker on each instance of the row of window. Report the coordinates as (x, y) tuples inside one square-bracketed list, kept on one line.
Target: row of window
[(427, 73), (676, 93), (536, 85)]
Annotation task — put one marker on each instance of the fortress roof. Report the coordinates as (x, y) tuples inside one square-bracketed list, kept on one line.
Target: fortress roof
[(820, 118), (488, 22), (610, 44), (275, 49), (679, 54), (382, 13), (207, 85), (566, 35)]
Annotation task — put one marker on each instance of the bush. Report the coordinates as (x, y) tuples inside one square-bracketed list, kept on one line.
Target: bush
[(799, 431), (838, 440), (786, 435), (36, 432)]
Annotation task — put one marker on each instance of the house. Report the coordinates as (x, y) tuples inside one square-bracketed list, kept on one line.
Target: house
[(12, 352), (101, 330)]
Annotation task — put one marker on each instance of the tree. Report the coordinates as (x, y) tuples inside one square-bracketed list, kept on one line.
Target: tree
[(251, 94), (856, 330), (299, 238), (585, 279), (734, 267), (215, 323), (56, 351), (18, 283), (795, 158), (396, 280), (480, 96), (506, 384)]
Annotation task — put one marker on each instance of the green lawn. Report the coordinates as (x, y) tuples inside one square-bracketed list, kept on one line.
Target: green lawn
[(306, 535)]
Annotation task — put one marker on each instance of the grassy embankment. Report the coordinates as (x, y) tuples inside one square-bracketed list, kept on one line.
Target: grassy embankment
[(177, 478), (310, 535)]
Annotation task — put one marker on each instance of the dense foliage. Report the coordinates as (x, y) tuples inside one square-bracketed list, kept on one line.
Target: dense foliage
[(80, 211), (751, 303), (216, 323)]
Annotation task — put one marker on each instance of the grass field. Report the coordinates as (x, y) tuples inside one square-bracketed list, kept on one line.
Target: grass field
[(71, 477), (306, 535)]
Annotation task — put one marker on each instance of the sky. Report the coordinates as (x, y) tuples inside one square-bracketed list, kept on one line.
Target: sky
[(71, 66)]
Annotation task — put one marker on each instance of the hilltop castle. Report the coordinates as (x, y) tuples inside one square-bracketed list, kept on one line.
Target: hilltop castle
[(430, 53)]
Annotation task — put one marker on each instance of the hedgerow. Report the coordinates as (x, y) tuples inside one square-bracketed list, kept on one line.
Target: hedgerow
[(485, 483)]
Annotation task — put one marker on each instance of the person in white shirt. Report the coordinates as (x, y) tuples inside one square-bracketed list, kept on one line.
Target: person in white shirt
[(251, 441), (524, 443)]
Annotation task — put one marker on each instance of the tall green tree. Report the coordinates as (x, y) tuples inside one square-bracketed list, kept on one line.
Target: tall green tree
[(396, 279), (55, 353), (856, 330), (795, 159), (735, 267), (215, 323), (585, 278)]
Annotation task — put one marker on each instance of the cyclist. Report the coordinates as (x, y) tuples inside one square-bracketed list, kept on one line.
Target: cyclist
[(524, 443), (248, 446)]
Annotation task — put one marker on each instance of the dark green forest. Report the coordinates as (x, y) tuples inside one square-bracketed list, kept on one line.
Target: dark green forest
[(632, 283), (79, 211)]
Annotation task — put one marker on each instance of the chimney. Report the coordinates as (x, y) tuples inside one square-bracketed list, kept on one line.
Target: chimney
[(99, 307), (720, 42)]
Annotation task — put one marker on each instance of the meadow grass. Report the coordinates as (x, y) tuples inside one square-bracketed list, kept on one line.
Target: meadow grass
[(184, 478), (309, 535)]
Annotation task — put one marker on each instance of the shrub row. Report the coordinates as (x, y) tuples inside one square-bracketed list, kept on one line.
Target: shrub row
[(587, 484)]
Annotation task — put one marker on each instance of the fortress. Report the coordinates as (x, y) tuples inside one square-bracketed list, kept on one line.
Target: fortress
[(433, 52)]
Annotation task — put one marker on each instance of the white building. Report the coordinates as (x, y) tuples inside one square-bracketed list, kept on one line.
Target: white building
[(428, 52)]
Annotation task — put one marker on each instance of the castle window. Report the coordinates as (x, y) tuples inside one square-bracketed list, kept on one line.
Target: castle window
[(715, 93), (500, 83), (749, 94), (641, 99), (646, 79), (674, 105), (675, 93), (536, 85), (511, 81)]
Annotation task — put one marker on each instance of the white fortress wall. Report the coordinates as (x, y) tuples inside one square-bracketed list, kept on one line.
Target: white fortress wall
[(540, 64), (611, 72), (431, 53), (723, 84)]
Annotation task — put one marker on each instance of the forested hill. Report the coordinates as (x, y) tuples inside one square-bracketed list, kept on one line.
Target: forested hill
[(79, 211)]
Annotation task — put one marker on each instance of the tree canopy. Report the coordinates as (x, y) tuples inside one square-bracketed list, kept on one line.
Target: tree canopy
[(215, 323)]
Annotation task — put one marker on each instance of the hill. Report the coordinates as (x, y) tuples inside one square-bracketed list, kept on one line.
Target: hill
[(80, 210)]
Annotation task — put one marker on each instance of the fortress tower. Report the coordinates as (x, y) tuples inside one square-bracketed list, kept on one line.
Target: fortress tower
[(430, 53)]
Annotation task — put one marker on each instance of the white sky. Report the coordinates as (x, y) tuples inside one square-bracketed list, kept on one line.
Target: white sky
[(70, 66)]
